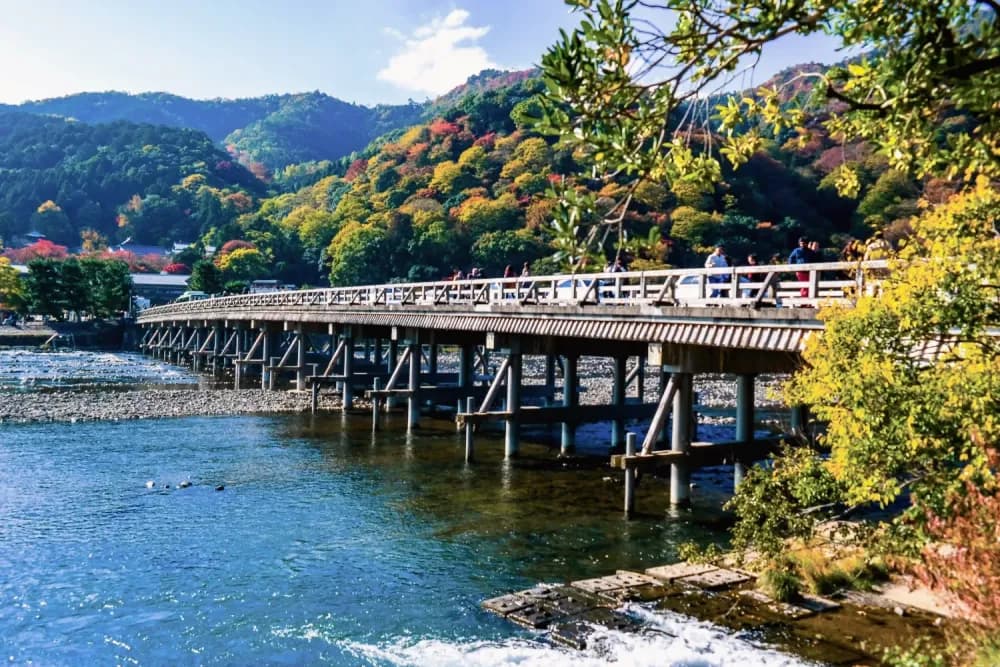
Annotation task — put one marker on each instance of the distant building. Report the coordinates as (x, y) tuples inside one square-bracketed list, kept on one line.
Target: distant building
[(159, 287)]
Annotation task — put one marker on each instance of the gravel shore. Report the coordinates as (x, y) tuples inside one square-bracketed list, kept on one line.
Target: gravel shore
[(72, 406), (16, 406)]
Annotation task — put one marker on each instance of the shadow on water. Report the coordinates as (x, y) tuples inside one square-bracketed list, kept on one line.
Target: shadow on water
[(557, 518)]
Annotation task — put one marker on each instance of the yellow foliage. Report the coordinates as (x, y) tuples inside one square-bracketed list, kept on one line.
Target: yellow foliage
[(909, 379), (412, 136)]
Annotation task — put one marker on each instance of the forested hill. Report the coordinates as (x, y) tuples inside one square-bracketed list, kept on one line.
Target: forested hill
[(270, 132), (470, 185), (149, 182), (313, 127), (216, 118), (275, 130), (473, 187)]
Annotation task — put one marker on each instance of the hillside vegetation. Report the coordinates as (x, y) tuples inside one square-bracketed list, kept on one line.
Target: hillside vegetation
[(473, 185)]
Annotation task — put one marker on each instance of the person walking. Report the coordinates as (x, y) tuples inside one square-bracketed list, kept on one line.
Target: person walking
[(717, 260), (802, 255)]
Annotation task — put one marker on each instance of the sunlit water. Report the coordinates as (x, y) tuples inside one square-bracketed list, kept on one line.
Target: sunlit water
[(328, 545)]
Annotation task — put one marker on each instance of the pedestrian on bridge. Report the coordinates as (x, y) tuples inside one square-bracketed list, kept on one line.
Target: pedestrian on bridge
[(802, 255), (717, 260)]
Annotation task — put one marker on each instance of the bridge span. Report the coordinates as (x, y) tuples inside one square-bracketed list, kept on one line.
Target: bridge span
[(385, 340)]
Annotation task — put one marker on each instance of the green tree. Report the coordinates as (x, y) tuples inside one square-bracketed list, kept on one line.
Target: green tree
[(358, 255), (44, 288), (12, 291), (244, 264), (613, 81), (206, 276), (893, 196), (909, 381), (109, 286), (74, 292), (495, 250)]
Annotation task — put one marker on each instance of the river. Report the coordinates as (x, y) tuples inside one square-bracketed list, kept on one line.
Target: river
[(326, 545)]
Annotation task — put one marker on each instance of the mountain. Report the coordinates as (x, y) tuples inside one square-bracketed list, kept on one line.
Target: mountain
[(274, 130), (216, 118), (151, 182), (314, 126), (458, 182)]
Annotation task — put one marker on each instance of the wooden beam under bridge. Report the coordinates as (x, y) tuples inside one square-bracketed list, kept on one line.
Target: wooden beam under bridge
[(704, 454), (575, 414)]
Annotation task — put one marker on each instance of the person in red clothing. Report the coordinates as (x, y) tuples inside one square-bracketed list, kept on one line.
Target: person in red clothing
[(802, 255)]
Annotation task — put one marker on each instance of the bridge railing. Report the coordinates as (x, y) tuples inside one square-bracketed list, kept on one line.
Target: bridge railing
[(786, 285)]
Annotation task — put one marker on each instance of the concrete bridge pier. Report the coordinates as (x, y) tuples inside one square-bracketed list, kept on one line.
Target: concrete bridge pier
[(618, 400), (413, 401), (512, 422), (196, 345), (269, 345), (237, 353), (218, 340), (432, 356), (744, 420), (466, 357), (347, 395), (550, 377), (300, 358), (680, 471), (570, 399), (640, 377), (800, 420)]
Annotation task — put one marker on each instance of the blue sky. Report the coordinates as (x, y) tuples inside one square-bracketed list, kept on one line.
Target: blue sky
[(365, 51)]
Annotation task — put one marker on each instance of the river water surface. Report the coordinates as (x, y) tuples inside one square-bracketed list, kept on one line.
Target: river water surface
[(327, 545)]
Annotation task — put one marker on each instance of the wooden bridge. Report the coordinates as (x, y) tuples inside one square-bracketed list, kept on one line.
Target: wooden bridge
[(385, 339)]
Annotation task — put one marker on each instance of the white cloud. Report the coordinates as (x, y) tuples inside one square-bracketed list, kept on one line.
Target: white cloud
[(438, 56)]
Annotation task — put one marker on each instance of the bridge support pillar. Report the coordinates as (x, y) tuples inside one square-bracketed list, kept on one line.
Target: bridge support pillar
[(178, 344), (195, 357), (347, 397), (217, 342), (570, 399), (618, 400), (466, 356), (238, 353), (550, 377), (744, 420), (512, 423), (391, 360), (267, 349), (300, 358), (630, 476), (432, 359), (680, 473), (640, 378), (799, 420), (413, 402)]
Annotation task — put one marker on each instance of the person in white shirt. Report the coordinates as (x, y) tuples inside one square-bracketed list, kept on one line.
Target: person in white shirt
[(717, 260)]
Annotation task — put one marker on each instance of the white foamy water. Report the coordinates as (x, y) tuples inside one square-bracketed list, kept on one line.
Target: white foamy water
[(667, 640), (28, 368)]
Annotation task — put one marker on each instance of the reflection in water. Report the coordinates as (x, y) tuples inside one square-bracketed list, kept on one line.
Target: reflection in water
[(330, 544)]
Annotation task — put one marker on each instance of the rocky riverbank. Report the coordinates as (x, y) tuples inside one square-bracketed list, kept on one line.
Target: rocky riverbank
[(114, 403), (72, 406)]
